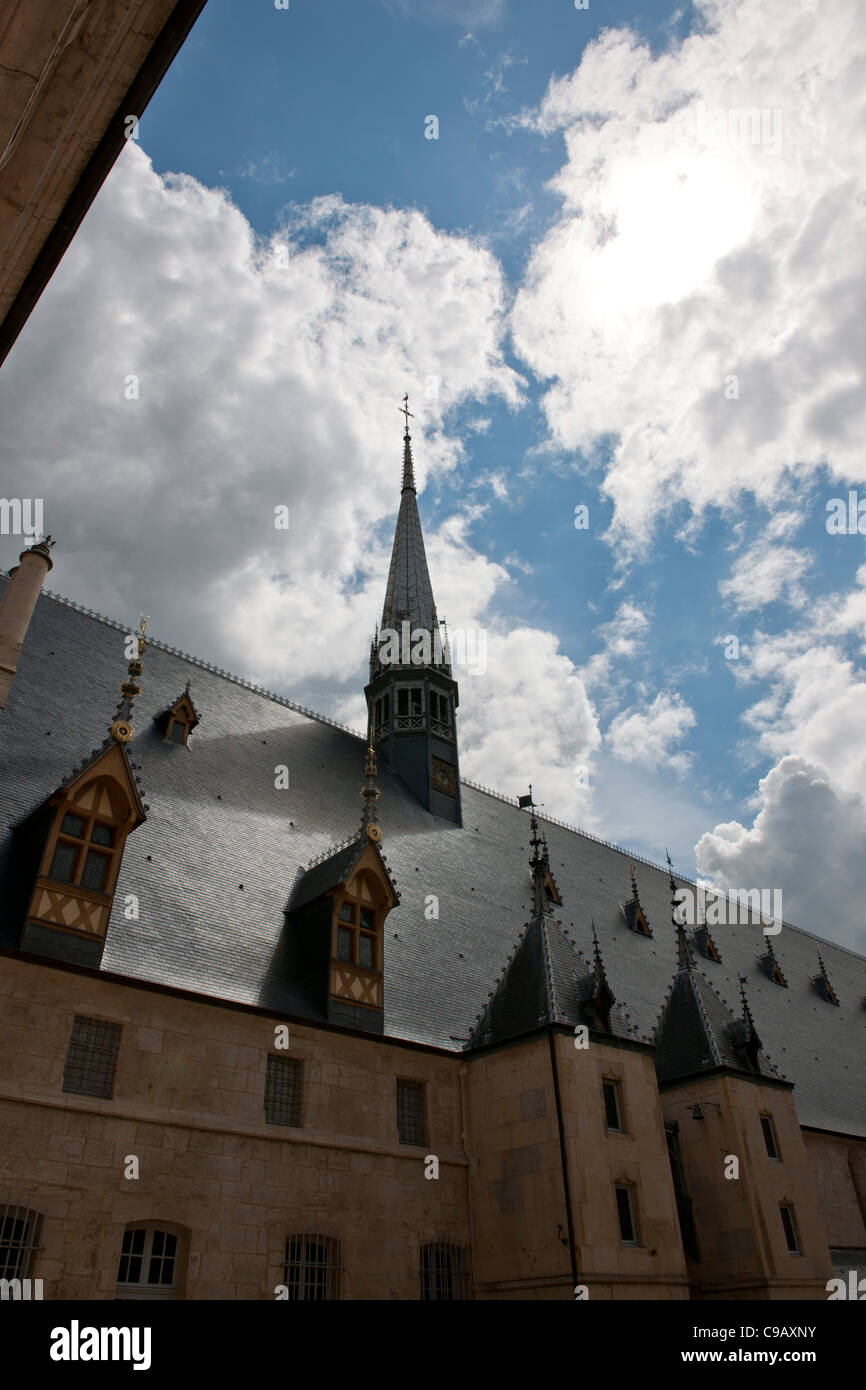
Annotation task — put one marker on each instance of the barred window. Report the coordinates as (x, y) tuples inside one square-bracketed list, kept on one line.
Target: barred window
[(412, 1112), (312, 1268), (149, 1261), (444, 1271), (20, 1234), (283, 1091), (92, 1057)]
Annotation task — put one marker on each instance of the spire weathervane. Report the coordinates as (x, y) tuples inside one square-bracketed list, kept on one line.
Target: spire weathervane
[(405, 411)]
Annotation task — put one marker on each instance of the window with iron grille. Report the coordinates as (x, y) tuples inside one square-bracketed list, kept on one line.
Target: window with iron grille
[(20, 1233), (283, 1087), (149, 1262), (412, 1112), (312, 1268), (444, 1271), (92, 1057)]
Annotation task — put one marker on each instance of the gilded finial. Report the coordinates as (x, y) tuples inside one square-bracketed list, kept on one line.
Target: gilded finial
[(122, 729), (370, 795)]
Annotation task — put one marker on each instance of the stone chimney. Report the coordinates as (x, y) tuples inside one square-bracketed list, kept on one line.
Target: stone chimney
[(16, 608)]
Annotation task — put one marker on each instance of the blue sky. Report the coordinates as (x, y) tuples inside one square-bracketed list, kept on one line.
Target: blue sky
[(581, 264)]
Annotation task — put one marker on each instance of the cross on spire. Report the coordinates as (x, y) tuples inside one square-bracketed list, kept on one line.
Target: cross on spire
[(405, 411)]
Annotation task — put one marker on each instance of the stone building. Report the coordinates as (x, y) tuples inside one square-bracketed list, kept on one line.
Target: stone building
[(261, 1040)]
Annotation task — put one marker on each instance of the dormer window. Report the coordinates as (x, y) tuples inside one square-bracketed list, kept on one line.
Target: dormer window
[(84, 852), (357, 935), (179, 720)]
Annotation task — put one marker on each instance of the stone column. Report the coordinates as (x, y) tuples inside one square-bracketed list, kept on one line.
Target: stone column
[(16, 609)]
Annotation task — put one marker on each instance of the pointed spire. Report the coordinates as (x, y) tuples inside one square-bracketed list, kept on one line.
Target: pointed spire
[(771, 966), (821, 981), (684, 951), (597, 960), (408, 470), (633, 911), (409, 606), (122, 729), (600, 999)]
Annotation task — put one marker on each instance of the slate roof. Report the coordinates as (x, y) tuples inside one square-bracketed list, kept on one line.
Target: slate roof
[(698, 1032), (214, 863), (545, 981), (326, 873)]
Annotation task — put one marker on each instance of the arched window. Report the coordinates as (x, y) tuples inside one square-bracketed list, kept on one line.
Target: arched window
[(151, 1258), (312, 1268), (20, 1234)]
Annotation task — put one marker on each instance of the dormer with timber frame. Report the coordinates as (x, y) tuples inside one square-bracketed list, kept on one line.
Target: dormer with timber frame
[(79, 835)]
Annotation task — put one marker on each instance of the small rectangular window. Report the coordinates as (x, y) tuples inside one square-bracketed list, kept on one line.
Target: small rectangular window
[(770, 1137), (283, 1086), (367, 954), (625, 1211), (611, 1105), (102, 835), (412, 1112), (368, 919), (177, 731), (344, 944), (73, 825), (92, 1057), (402, 701), (416, 701), (789, 1226), (346, 913)]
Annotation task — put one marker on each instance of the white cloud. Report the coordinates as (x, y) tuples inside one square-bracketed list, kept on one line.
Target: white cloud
[(621, 638), (682, 261), (650, 735), (764, 573), (268, 373), (809, 839)]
